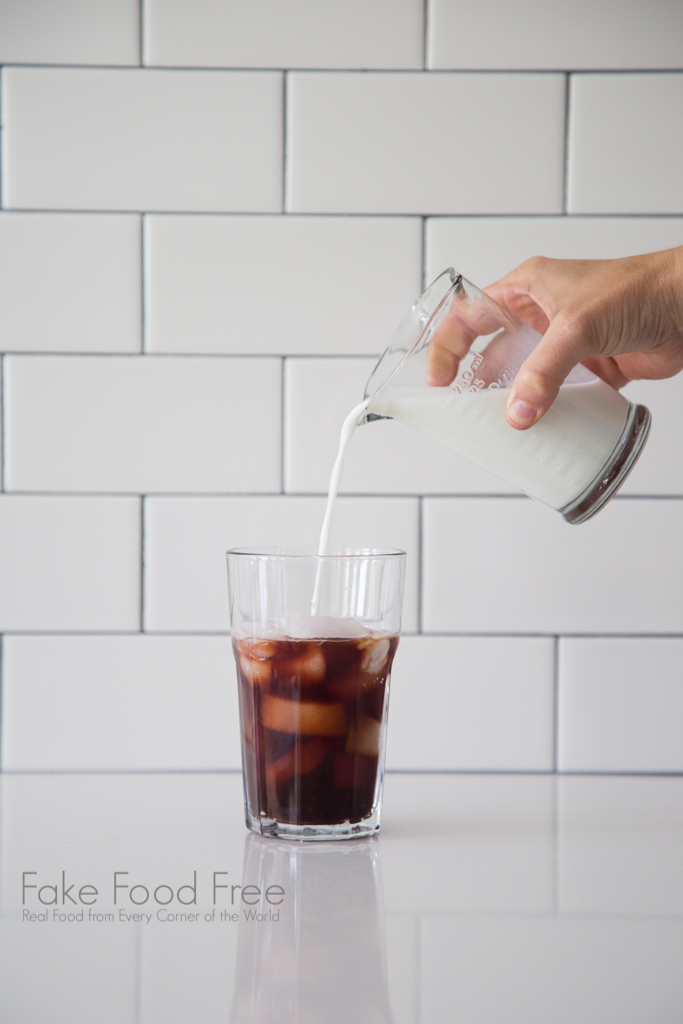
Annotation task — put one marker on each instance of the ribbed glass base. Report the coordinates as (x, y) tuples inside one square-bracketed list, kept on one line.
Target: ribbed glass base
[(344, 830), (615, 470)]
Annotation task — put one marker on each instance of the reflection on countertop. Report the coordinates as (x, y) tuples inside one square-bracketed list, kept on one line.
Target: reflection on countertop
[(487, 897), (324, 958)]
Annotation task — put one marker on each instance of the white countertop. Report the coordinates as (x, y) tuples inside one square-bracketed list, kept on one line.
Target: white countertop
[(505, 898)]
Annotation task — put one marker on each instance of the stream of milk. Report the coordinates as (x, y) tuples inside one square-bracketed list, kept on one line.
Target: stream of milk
[(347, 431)]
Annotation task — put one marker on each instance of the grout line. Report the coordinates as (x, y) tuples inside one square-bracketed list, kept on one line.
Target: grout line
[(415, 72), (122, 771), (424, 253), (350, 214), (141, 29), (524, 772), (48, 353), (484, 634), (565, 162), (142, 564), (556, 700), (143, 286), (76, 633), (270, 68), (425, 29), (534, 772), (369, 496), (285, 129), (202, 633)]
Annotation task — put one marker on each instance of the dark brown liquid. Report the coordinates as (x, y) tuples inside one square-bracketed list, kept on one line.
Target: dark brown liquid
[(312, 714)]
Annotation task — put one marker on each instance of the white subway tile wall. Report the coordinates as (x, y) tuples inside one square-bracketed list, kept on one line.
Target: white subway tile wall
[(442, 143), (297, 34), (69, 32), (121, 423), (625, 132), (279, 285), (614, 707), (212, 217), (495, 702), (97, 702), (70, 563), (511, 566), (102, 139), (532, 34), (70, 282)]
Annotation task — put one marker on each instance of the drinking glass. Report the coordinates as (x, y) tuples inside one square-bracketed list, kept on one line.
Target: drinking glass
[(314, 638)]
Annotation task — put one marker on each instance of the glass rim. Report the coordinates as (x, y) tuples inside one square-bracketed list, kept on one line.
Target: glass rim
[(299, 553), (436, 297)]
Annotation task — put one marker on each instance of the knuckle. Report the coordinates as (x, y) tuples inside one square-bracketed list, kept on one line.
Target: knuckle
[(574, 331), (537, 381), (536, 264)]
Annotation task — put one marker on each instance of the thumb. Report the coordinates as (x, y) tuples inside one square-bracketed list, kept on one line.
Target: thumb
[(540, 376)]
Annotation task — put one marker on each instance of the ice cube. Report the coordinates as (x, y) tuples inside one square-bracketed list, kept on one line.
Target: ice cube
[(256, 671), (322, 627), (306, 667), (259, 649), (306, 717), (375, 654), (366, 738)]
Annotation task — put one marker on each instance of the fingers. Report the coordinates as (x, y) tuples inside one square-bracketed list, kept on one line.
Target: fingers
[(568, 299), (466, 320), (540, 376), (450, 344), (442, 365)]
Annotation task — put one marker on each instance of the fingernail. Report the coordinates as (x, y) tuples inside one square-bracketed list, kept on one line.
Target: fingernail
[(522, 413)]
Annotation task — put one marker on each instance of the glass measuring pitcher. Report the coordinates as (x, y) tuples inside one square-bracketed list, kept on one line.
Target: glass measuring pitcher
[(574, 459)]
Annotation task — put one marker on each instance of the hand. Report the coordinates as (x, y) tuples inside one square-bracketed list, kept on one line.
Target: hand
[(622, 318)]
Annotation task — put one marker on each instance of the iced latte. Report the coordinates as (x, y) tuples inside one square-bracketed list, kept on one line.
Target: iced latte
[(314, 687), (313, 716)]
